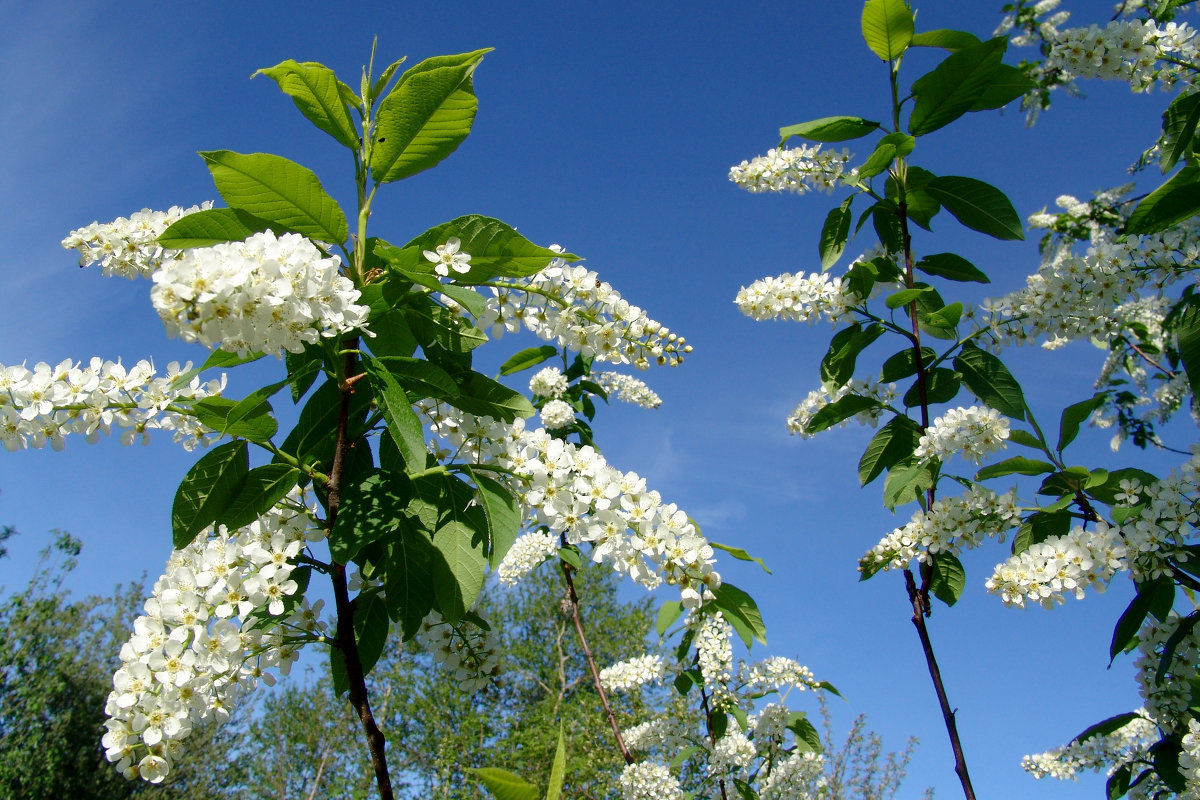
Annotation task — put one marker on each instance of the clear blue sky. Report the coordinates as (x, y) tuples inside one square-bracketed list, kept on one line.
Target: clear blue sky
[(608, 128)]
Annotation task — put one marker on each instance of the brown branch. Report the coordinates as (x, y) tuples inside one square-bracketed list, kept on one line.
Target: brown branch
[(573, 602), (346, 642)]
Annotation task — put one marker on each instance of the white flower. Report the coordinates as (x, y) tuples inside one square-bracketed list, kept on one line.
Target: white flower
[(649, 781), (974, 432), (627, 388), (548, 382), (128, 247), (525, 555), (796, 170), (557, 414), (447, 257), (633, 673)]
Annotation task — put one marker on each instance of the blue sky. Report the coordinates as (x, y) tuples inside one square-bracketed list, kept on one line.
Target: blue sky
[(608, 128)]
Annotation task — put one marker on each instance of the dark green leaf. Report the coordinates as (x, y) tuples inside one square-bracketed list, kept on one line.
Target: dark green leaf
[(953, 87), (905, 296), (260, 490), (941, 386), (904, 363), (834, 234), (496, 250), (1117, 785), (1182, 630), (434, 325), (978, 205), (502, 513), (1074, 415), (411, 568), (372, 509), (952, 267), (420, 378), (206, 491), (829, 129), (484, 397), (249, 418), (1018, 436), (303, 369), (1106, 727), (1156, 595), (886, 222), (807, 738), (1040, 526), (1008, 83), (1017, 465), (463, 552), (471, 300), (887, 27), (946, 317), (990, 381), (837, 367), (740, 610), (1179, 129), (921, 207), (313, 88), (371, 629), (948, 579), (402, 422), (530, 357), (893, 443), (1187, 333), (1166, 764), (838, 411), (278, 190), (1175, 201), (214, 226)]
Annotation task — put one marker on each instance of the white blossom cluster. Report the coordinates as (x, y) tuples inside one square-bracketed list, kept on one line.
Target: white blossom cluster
[(628, 389), (797, 170), (1189, 759), (45, 404), (526, 554), (574, 308), (128, 247), (572, 490), (647, 780), (778, 673), (884, 393), (1167, 701), (635, 672), (714, 656), (663, 734), (950, 525), (266, 294), (732, 754), (1045, 572), (1097, 753), (468, 652), (791, 778), (974, 432), (548, 382), (1126, 50), (557, 414), (801, 297), (223, 613)]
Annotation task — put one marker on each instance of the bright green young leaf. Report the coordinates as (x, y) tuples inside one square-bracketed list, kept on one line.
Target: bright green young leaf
[(558, 768), (837, 367), (921, 207), (502, 513), (1179, 130), (381, 83), (954, 86), (945, 39), (945, 317), (1008, 83), (571, 557), (1017, 465), (906, 481), (1039, 527), (903, 143), (990, 381), (484, 397), (505, 785), (891, 444), (1175, 201), (904, 297), (471, 300), (530, 357), (206, 491), (1074, 415), (372, 509), (887, 27), (949, 578), (425, 117), (880, 160), (741, 555), (807, 737), (313, 88), (904, 363), (250, 418), (261, 489), (1025, 438), (829, 129), (671, 610), (834, 234), (978, 205), (402, 422), (740, 610), (951, 267), (839, 410), (278, 190), (214, 226)]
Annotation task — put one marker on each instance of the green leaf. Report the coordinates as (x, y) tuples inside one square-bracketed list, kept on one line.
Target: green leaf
[(1166, 764), (278, 190), (1179, 129), (411, 566), (471, 300), (303, 369), (834, 234), (887, 27), (952, 267), (249, 418), (906, 481), (558, 768), (402, 422), (1182, 630), (484, 397), (977, 205), (990, 381), (260, 490), (740, 610), (829, 129), (671, 610), (880, 160), (945, 317), (807, 738), (1017, 465), (313, 88), (891, 444), (371, 629), (886, 222), (837, 367), (905, 296), (741, 555), (420, 378), (504, 784), (948, 579), (1008, 83), (838, 411), (1187, 333), (904, 363), (206, 491), (214, 226), (1107, 726), (425, 117), (1039, 527), (464, 555), (496, 250), (953, 87), (945, 39), (527, 358), (372, 508), (1018, 436), (1175, 201), (1117, 785), (435, 325), (502, 512), (570, 556), (1074, 415), (941, 386), (1157, 595)]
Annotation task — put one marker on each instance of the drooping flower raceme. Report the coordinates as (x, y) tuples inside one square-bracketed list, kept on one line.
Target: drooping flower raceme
[(469, 653), (548, 382), (224, 612), (633, 673), (573, 307), (45, 404), (628, 389), (266, 294), (557, 414), (1126, 50), (802, 298), (1045, 572), (797, 170), (526, 554), (974, 432), (1107, 752), (128, 247), (882, 393)]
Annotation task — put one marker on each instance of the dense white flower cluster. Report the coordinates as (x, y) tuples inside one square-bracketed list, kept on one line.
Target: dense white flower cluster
[(447, 257), (266, 294), (557, 414), (1126, 50), (222, 614), (974, 432), (732, 753), (649, 781), (1189, 758), (950, 525), (526, 554), (1097, 753), (714, 655), (573, 307), (883, 393), (572, 490), (548, 382), (1045, 572), (780, 674), (797, 170), (627, 388), (633, 673), (468, 652), (44, 405), (1167, 701), (128, 247), (801, 297), (791, 778), (663, 734)]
